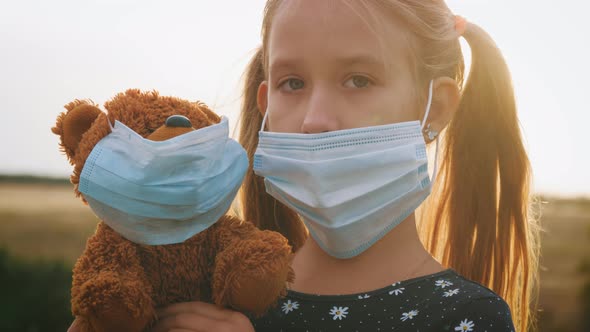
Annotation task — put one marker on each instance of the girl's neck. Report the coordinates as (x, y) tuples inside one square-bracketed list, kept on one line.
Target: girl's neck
[(398, 256)]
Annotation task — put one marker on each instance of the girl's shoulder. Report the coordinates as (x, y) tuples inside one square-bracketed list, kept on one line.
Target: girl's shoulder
[(440, 301)]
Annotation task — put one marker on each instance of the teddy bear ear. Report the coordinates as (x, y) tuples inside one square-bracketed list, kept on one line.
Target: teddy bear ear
[(73, 123)]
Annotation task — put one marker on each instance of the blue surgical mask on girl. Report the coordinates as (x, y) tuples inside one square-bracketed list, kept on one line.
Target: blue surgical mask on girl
[(163, 192), (350, 187)]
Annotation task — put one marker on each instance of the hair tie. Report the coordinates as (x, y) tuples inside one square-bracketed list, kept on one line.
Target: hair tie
[(460, 24)]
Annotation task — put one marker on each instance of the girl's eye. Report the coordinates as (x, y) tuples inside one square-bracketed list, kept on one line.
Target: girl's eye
[(358, 82), (292, 84)]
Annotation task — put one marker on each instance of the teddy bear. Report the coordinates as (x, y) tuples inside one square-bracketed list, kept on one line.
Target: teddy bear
[(125, 272)]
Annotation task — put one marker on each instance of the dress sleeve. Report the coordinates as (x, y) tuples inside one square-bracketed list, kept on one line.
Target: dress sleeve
[(490, 314)]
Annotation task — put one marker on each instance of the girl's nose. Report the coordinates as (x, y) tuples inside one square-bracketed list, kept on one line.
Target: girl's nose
[(320, 115)]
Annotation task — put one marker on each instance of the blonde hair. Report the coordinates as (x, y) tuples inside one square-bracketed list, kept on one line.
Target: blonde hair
[(476, 220)]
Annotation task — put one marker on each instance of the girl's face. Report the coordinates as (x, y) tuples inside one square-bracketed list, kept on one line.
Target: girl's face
[(328, 70)]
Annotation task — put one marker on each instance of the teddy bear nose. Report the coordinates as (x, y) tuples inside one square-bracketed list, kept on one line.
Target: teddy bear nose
[(178, 121)]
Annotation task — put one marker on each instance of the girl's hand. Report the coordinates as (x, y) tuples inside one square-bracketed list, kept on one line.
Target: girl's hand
[(200, 317)]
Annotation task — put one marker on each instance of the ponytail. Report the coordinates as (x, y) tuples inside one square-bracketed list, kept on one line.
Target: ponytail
[(256, 205), (482, 195)]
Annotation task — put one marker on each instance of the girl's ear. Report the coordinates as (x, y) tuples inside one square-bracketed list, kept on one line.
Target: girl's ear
[(445, 101), (262, 97)]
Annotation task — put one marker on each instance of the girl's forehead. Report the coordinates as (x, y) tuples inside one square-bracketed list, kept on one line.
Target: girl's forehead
[(341, 29)]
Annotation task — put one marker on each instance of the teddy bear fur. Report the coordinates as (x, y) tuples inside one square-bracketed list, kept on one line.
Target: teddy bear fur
[(118, 284)]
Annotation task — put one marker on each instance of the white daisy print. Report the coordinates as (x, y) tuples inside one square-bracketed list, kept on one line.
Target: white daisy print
[(339, 312), (397, 291), (451, 292), (465, 326), (290, 306), (443, 283), (366, 296), (409, 315)]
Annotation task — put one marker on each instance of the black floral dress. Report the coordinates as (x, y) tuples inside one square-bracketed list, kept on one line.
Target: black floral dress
[(444, 301)]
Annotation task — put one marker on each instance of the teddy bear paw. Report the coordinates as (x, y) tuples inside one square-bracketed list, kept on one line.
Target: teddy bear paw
[(253, 274), (108, 303)]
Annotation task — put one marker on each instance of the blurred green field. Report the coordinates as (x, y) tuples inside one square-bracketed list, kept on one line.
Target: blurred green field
[(46, 222)]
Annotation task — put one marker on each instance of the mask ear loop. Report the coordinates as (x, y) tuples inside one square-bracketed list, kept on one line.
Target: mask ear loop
[(430, 88), (109, 122), (264, 120)]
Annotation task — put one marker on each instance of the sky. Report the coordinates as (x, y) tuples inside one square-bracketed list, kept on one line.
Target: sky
[(52, 52)]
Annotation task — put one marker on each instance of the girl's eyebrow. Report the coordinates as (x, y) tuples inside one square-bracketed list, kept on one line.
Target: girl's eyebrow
[(345, 61), (283, 63), (361, 59)]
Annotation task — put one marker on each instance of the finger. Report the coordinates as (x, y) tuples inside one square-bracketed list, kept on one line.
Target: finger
[(200, 308), (186, 321)]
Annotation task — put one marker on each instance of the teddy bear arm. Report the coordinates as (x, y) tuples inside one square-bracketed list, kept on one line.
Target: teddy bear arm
[(110, 291), (228, 230), (251, 272)]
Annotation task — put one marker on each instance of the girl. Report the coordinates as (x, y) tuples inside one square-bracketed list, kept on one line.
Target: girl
[(345, 94)]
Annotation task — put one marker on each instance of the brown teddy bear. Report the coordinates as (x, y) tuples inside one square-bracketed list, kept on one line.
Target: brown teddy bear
[(118, 283)]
